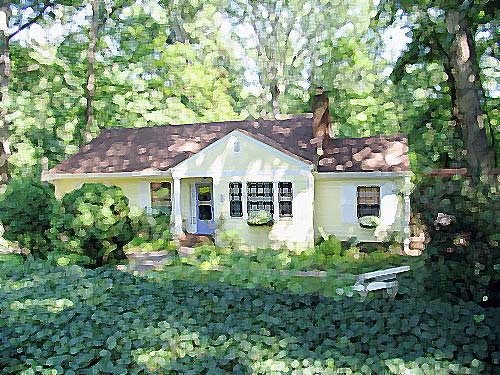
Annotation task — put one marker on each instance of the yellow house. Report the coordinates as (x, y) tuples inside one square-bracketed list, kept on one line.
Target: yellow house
[(212, 177)]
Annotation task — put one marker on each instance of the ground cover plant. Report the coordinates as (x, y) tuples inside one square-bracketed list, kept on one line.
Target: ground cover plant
[(67, 319)]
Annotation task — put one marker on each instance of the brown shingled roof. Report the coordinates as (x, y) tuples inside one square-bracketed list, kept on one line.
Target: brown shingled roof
[(160, 148)]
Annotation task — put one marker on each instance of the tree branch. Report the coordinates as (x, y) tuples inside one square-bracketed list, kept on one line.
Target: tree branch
[(33, 20)]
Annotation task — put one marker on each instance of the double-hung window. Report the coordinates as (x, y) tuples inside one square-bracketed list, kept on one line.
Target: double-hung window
[(285, 197), (368, 201), (235, 199), (160, 197), (260, 197)]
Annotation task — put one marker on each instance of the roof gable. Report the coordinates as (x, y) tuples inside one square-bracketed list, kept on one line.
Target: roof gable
[(252, 155)]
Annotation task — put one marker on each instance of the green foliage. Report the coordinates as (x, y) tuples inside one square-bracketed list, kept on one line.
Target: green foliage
[(330, 247), (96, 218), (141, 245), (369, 221), (142, 223), (261, 217), (161, 227), (231, 238), (26, 213), (163, 325), (461, 218)]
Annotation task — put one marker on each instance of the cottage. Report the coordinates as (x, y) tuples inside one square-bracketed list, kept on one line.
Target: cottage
[(213, 177)]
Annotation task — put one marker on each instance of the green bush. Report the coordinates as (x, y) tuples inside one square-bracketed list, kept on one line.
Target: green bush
[(95, 217), (161, 227), (462, 220), (141, 245), (142, 223), (331, 247), (231, 238), (26, 213)]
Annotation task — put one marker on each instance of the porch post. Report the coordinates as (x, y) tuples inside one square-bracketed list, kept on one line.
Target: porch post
[(176, 203)]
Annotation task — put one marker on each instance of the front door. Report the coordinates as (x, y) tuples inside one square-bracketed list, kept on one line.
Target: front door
[(204, 209)]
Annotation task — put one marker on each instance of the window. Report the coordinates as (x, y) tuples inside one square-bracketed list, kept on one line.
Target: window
[(260, 196), (235, 201), (368, 201), (160, 197), (236, 146), (285, 198)]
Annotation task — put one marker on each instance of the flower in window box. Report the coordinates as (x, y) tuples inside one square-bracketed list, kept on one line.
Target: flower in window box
[(261, 217), (369, 221)]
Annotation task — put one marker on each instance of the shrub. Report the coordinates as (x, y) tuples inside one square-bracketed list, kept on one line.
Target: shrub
[(461, 217), (26, 212), (161, 227), (142, 223), (140, 245), (330, 247), (96, 218), (231, 238)]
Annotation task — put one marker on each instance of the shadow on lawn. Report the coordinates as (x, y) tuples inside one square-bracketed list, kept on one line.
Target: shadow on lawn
[(124, 323)]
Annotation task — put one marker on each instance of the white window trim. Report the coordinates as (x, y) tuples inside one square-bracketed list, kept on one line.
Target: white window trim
[(244, 199), (379, 197), (276, 203), (288, 217)]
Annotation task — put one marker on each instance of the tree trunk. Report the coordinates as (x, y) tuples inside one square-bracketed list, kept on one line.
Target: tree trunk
[(275, 94), (90, 87), (4, 94), (468, 101)]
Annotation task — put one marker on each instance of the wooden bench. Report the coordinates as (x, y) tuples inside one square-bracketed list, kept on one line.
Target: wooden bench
[(379, 280)]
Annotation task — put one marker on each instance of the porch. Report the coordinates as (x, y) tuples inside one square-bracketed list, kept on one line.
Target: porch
[(192, 206)]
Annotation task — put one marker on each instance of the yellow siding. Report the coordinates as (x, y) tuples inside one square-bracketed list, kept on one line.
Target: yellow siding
[(330, 206), (255, 162), (317, 202), (135, 189), (253, 158), (294, 232)]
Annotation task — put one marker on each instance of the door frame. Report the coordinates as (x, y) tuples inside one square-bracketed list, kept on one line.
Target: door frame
[(197, 210)]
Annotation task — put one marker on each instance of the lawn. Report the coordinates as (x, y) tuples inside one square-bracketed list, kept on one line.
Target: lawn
[(71, 320)]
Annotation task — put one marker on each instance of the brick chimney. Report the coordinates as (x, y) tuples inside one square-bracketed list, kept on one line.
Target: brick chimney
[(321, 119)]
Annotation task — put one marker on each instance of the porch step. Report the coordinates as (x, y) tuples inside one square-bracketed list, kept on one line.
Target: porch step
[(193, 240)]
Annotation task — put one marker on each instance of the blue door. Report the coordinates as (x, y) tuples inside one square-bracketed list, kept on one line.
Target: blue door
[(204, 209)]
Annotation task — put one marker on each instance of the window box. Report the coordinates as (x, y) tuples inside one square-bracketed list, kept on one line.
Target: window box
[(369, 222), (260, 218)]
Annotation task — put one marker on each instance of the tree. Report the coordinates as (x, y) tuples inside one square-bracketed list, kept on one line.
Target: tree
[(19, 23), (99, 17), (445, 31), (284, 38), (90, 86)]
